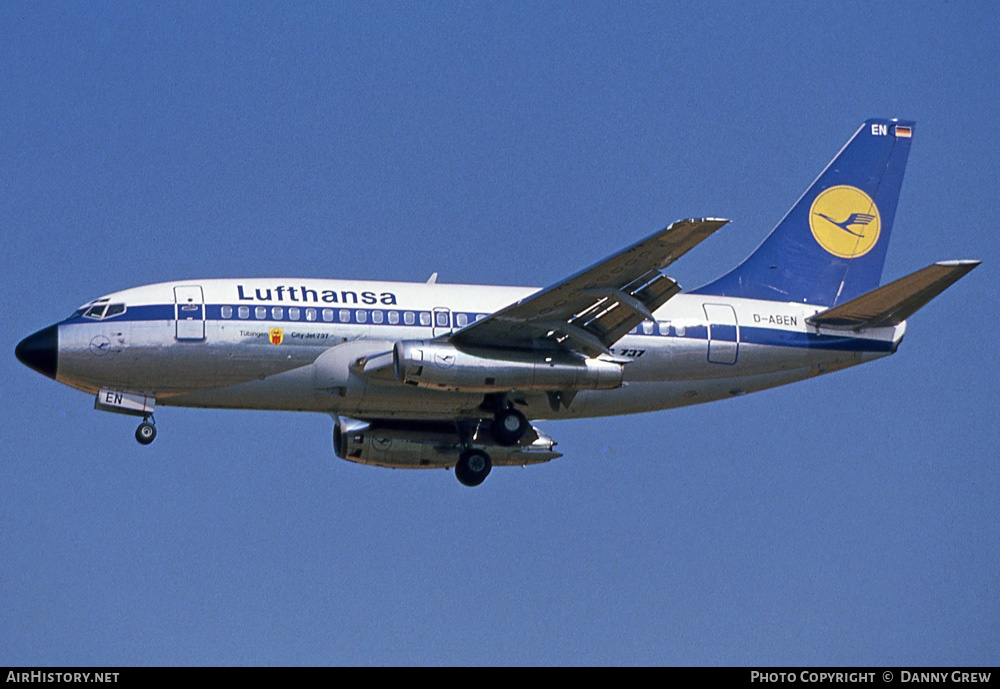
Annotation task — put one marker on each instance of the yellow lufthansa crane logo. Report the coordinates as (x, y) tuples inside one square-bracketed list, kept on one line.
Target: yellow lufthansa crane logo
[(845, 221)]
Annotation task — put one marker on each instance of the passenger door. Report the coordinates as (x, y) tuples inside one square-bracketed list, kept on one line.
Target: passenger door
[(189, 312), (723, 334)]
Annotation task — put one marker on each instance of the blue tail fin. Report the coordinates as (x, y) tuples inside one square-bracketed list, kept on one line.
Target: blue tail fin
[(830, 247)]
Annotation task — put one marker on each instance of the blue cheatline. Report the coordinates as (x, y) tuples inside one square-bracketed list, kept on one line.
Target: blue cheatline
[(747, 334)]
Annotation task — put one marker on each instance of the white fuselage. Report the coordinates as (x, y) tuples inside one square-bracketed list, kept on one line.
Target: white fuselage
[(295, 344)]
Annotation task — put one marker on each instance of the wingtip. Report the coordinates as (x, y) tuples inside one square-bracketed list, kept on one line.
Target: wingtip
[(970, 263)]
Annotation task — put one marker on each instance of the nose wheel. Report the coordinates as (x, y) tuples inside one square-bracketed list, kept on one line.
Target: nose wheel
[(146, 432)]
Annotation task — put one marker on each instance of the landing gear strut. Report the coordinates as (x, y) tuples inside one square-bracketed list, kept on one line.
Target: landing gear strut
[(473, 467), (146, 432)]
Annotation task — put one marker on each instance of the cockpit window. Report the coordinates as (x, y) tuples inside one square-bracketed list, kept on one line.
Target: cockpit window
[(101, 310)]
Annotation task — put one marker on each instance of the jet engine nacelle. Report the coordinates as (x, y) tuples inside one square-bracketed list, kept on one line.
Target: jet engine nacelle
[(443, 366), (426, 446)]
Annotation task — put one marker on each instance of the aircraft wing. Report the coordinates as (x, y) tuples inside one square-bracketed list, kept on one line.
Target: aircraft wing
[(590, 311)]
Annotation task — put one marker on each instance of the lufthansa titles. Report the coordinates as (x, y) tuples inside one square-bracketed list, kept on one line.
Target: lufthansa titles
[(303, 294)]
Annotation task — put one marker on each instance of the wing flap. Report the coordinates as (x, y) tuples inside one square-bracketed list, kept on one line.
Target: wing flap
[(590, 311), (892, 304)]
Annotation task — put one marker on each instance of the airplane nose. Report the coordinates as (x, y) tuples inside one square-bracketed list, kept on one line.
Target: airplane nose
[(40, 351)]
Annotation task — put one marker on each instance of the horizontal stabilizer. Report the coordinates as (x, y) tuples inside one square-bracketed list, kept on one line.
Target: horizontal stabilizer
[(892, 304)]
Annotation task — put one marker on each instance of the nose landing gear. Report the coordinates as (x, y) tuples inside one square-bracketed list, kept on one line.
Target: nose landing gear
[(146, 432)]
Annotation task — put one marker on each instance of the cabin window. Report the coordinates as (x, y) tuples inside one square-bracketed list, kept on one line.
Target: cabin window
[(361, 315), (227, 311), (277, 313), (480, 316), (344, 316), (664, 328), (425, 318), (377, 317), (293, 313), (647, 327), (393, 317), (328, 315), (461, 320), (310, 314), (260, 312), (680, 330), (409, 318), (244, 312), (441, 319)]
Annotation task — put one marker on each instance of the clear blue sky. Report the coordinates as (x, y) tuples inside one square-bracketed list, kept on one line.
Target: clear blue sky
[(851, 519)]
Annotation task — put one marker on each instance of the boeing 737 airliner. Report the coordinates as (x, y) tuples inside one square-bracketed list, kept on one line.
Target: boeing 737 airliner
[(436, 375)]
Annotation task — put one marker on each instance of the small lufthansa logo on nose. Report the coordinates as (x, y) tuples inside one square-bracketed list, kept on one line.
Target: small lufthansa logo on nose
[(100, 345), (845, 221)]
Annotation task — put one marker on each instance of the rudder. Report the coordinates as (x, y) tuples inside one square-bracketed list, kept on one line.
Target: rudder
[(830, 247)]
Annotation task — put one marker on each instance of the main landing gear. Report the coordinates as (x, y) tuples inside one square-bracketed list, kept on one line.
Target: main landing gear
[(146, 432), (509, 425), (473, 467), (507, 428)]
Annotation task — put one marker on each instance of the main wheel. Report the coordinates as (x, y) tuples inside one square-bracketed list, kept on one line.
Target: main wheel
[(473, 467), (145, 433), (509, 426)]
